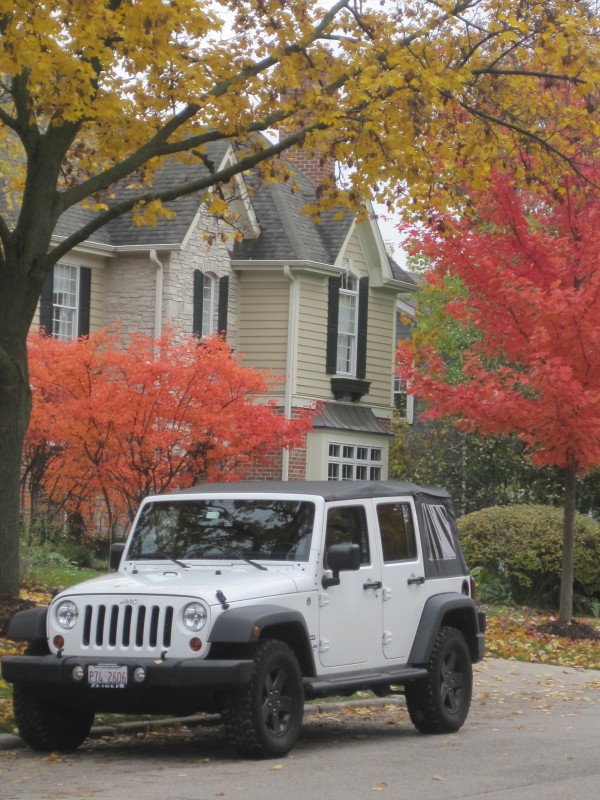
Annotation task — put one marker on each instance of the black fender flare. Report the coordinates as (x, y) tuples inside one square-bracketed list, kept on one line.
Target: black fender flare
[(244, 625), (459, 611), (28, 625)]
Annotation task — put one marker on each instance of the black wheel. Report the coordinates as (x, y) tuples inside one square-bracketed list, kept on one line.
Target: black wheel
[(440, 703), (46, 723), (263, 720)]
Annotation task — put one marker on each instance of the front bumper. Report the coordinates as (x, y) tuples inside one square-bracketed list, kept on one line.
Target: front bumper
[(188, 673)]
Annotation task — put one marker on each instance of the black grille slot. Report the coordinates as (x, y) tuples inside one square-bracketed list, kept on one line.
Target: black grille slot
[(139, 630), (100, 625), (127, 625), (153, 626), (168, 627), (87, 625), (114, 621)]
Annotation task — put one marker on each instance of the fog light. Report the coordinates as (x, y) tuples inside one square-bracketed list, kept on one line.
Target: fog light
[(195, 644), (78, 673), (139, 674), (58, 642)]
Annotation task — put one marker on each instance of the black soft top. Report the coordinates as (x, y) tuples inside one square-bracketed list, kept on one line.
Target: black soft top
[(328, 490)]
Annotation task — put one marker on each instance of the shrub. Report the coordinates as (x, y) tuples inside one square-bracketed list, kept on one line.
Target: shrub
[(523, 546)]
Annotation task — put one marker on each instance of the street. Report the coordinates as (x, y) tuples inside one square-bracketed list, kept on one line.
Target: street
[(532, 734)]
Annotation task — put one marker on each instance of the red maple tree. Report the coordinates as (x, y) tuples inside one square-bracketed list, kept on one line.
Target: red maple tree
[(114, 421), (529, 267)]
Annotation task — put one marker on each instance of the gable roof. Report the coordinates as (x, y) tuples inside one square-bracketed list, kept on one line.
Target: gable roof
[(286, 232)]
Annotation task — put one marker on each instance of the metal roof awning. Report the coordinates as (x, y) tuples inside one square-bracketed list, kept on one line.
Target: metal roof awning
[(350, 418)]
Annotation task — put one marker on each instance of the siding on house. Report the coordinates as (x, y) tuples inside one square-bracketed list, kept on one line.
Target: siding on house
[(263, 320), (380, 350), (311, 378)]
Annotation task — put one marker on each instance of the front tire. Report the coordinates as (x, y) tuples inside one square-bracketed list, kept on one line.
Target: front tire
[(45, 724), (264, 719), (440, 703)]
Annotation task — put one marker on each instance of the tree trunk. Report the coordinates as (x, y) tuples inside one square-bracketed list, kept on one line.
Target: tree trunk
[(567, 574), (15, 406)]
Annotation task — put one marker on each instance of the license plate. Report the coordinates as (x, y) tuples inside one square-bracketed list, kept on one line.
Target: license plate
[(107, 676)]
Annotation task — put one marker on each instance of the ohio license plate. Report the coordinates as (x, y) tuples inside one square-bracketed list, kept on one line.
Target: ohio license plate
[(107, 676)]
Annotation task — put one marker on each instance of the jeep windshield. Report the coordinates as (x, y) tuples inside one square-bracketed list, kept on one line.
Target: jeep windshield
[(227, 529)]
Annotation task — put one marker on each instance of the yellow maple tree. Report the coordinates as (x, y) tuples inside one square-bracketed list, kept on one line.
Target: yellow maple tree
[(410, 98)]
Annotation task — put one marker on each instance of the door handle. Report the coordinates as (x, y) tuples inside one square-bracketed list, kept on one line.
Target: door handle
[(420, 580), (372, 585)]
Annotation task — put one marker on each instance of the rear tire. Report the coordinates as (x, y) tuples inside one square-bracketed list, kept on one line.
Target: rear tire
[(263, 720), (440, 703), (45, 724)]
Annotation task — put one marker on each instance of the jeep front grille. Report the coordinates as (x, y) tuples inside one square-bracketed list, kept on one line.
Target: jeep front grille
[(147, 627)]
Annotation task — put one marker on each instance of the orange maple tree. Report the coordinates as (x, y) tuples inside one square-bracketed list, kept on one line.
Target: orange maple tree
[(113, 422), (528, 264)]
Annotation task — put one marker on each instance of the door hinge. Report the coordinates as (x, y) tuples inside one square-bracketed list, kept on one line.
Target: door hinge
[(323, 599), (387, 638), (387, 593), (324, 645)]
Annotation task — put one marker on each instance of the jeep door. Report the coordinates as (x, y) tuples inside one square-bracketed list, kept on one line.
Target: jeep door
[(350, 613), (404, 587)]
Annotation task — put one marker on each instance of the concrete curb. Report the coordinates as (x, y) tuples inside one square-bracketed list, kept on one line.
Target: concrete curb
[(11, 742)]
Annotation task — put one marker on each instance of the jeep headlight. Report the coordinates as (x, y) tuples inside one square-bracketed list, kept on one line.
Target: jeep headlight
[(66, 614), (194, 617)]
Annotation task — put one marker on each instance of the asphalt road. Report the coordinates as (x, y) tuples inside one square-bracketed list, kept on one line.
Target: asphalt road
[(533, 734)]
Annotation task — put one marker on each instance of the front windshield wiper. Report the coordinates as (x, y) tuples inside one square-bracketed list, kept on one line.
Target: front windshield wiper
[(240, 557), (158, 555)]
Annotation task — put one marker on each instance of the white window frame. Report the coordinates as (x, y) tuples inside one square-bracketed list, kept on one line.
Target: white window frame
[(65, 304), (354, 462), (347, 334), (208, 304)]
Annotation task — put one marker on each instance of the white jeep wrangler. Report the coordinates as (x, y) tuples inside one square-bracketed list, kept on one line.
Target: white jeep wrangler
[(245, 598)]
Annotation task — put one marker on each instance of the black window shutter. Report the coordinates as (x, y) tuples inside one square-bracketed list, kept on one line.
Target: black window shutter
[(85, 292), (46, 303), (333, 309), (223, 305), (363, 318), (197, 302)]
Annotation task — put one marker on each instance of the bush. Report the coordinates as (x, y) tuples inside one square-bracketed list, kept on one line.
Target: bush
[(523, 546)]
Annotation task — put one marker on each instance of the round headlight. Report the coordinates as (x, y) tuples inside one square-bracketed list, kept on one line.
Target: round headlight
[(194, 617), (66, 614)]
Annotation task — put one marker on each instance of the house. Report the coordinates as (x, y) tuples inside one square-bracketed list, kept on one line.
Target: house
[(313, 303)]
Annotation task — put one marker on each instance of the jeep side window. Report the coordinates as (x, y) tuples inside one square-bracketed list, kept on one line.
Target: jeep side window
[(440, 542), (348, 525), (397, 532)]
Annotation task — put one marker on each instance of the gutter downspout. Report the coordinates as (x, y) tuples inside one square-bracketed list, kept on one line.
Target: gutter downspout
[(158, 298), (292, 351)]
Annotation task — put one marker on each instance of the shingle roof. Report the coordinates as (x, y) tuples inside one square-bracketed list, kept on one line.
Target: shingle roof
[(122, 232), (288, 233)]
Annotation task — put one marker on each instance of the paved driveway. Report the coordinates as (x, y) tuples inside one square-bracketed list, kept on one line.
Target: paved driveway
[(533, 734)]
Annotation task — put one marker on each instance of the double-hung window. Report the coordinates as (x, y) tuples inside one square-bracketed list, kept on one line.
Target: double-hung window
[(206, 288), (65, 302), (347, 326)]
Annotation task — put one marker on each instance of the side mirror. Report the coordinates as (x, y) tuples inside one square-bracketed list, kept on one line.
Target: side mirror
[(341, 558), (116, 552)]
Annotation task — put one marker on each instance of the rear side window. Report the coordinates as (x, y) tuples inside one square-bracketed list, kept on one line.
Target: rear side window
[(397, 531), (440, 541), (348, 525)]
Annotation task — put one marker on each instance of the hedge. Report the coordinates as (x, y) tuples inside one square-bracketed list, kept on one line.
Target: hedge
[(522, 544)]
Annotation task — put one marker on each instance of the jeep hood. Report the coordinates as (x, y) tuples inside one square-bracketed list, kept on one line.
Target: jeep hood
[(236, 583)]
